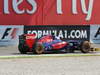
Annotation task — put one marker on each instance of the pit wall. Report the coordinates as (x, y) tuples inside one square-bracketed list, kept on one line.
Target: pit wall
[(9, 33)]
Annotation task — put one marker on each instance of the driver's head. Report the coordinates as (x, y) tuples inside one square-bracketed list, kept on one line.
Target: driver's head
[(52, 34)]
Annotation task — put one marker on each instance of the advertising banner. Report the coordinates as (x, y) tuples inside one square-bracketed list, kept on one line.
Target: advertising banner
[(71, 12), (95, 34), (9, 34), (20, 12), (61, 31), (49, 12)]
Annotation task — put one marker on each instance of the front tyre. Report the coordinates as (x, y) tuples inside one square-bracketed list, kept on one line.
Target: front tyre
[(86, 47)]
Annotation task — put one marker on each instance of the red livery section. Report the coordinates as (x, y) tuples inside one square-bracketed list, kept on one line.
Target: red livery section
[(30, 40), (49, 12), (59, 45), (46, 39)]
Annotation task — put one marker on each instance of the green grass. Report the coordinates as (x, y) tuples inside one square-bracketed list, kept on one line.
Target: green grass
[(47, 56)]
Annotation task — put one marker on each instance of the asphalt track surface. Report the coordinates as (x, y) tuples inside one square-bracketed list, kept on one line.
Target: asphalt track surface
[(48, 64), (13, 50)]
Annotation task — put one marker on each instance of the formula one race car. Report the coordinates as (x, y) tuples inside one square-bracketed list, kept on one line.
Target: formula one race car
[(29, 43)]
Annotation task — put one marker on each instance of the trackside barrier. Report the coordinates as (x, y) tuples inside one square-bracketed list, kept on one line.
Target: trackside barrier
[(66, 32), (9, 34), (95, 34)]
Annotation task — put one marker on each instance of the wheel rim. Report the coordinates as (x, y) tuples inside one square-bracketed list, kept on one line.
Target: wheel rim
[(86, 47), (39, 49)]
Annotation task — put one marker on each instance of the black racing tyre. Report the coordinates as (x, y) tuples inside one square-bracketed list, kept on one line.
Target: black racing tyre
[(34, 49), (22, 49), (85, 47), (39, 48)]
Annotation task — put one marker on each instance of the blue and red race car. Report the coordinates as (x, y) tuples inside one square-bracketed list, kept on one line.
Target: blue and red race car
[(29, 43)]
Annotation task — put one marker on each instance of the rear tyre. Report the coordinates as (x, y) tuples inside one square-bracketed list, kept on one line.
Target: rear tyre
[(86, 47), (39, 48), (22, 49)]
